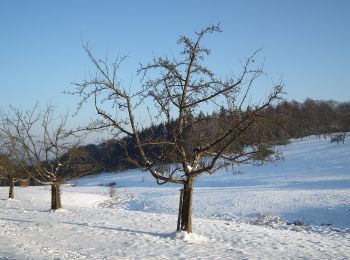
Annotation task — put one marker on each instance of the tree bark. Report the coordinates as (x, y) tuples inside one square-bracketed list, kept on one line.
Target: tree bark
[(55, 196), (11, 189), (185, 208)]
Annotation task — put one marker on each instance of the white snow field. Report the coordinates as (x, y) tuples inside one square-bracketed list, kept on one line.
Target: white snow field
[(298, 207)]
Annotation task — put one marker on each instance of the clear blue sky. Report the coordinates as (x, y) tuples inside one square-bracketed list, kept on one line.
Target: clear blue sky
[(307, 42)]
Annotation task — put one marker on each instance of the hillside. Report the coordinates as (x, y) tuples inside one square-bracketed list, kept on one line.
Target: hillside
[(296, 207)]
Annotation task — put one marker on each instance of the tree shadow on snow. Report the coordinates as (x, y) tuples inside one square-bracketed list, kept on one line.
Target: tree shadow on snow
[(18, 220), (127, 230)]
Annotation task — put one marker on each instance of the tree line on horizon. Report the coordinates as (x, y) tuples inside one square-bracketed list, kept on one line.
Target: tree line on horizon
[(294, 120)]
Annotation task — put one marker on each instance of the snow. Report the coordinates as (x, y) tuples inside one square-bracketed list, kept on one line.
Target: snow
[(298, 207), (189, 168)]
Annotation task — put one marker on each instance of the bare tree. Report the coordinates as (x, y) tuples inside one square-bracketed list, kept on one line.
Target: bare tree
[(174, 90), (46, 150), (10, 171)]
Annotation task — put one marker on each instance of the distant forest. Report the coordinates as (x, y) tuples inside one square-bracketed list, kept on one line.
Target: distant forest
[(289, 119), (295, 120)]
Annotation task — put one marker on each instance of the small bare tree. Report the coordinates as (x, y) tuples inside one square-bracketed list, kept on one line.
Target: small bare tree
[(46, 150), (174, 90), (11, 171)]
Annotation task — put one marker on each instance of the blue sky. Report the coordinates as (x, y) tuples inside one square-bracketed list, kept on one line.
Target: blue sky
[(305, 42)]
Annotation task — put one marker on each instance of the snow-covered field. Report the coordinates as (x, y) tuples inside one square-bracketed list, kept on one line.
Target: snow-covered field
[(298, 207)]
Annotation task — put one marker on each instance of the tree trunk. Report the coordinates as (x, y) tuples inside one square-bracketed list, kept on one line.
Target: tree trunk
[(55, 196), (11, 188), (185, 208)]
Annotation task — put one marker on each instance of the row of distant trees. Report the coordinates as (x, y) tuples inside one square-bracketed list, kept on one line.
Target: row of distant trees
[(314, 117), (181, 144), (291, 119)]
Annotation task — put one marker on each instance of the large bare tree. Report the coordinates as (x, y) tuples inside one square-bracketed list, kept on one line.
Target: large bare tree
[(45, 149), (173, 91)]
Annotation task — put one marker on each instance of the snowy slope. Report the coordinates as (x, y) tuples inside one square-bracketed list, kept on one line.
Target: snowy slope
[(247, 216), (311, 184)]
